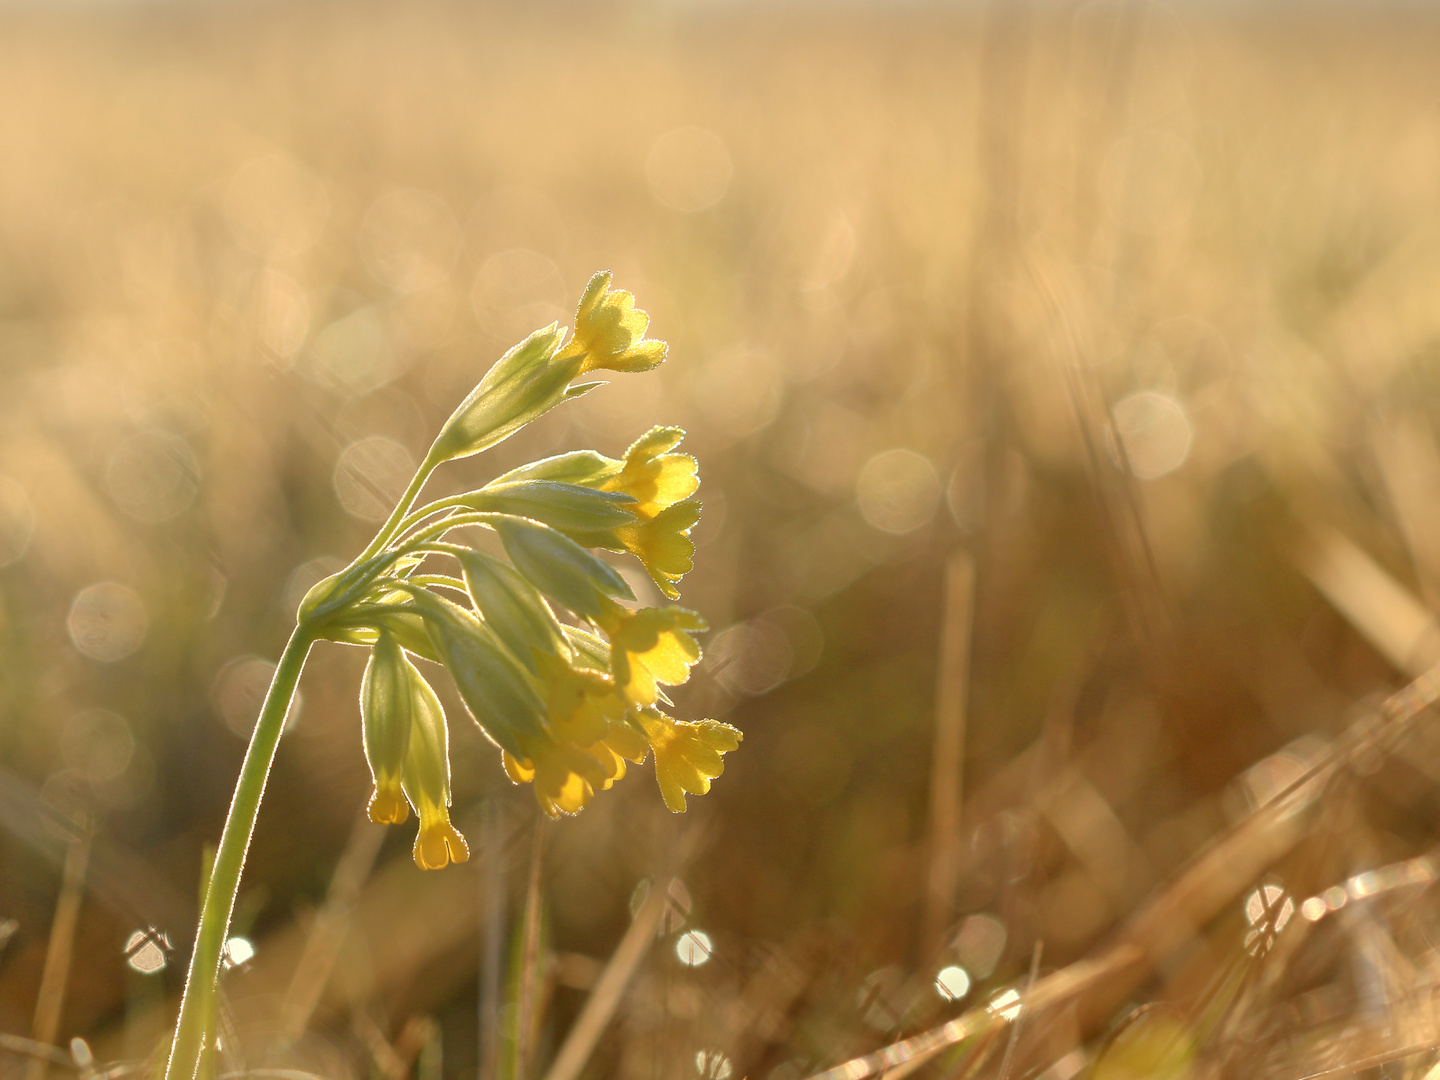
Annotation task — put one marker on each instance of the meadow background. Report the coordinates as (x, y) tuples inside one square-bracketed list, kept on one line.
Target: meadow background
[(1125, 313)]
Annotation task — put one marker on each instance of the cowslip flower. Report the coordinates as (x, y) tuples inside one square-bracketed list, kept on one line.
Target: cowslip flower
[(536, 375), (610, 331), (567, 706), (426, 781), (652, 474), (688, 754), (650, 647), (651, 517)]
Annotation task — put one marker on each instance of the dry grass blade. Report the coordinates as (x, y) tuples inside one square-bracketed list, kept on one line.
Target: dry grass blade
[(51, 998), (1194, 897), (948, 760), (18, 1044), (1009, 1059), (327, 934), (610, 987), (1384, 612), (601, 1004), (528, 997)]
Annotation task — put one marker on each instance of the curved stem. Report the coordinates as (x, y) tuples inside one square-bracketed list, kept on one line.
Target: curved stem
[(418, 540), (393, 522), (429, 509), (443, 581), (197, 1007)]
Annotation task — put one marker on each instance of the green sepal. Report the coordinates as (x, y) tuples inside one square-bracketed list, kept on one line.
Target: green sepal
[(497, 691), (512, 609), (570, 508), (589, 649), (524, 384), (560, 568), (585, 467), (385, 718), (426, 776)]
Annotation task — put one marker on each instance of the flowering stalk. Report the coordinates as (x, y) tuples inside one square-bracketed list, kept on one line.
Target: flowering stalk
[(197, 1006), (566, 703)]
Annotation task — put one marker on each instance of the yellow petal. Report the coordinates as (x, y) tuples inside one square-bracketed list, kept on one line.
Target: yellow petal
[(688, 754), (438, 844), (388, 805), (522, 772)]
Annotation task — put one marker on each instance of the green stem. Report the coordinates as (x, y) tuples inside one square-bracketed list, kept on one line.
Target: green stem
[(197, 1007), (415, 517), (407, 500)]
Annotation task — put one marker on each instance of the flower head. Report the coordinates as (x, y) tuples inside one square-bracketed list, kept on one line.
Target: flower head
[(610, 331), (650, 647), (653, 476), (567, 706), (688, 754)]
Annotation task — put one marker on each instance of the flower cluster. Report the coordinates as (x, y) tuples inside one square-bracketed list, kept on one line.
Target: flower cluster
[(549, 652)]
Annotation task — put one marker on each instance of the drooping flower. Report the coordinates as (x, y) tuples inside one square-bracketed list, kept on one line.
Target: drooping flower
[(650, 647), (573, 761), (386, 715), (652, 520), (654, 476), (662, 544), (426, 779), (688, 754)]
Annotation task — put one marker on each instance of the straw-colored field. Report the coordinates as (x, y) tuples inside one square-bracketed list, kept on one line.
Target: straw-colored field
[(1132, 310)]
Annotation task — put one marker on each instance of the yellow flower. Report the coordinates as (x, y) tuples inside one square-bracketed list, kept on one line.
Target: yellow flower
[(688, 754), (648, 647), (571, 762), (565, 777), (438, 843), (652, 476), (610, 331), (386, 707), (662, 543), (426, 780)]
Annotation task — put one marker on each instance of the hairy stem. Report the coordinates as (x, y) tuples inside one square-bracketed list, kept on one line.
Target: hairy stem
[(393, 522), (197, 1007)]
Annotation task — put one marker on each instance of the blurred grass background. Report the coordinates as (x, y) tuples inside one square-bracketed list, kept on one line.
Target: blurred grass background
[(1133, 306)]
